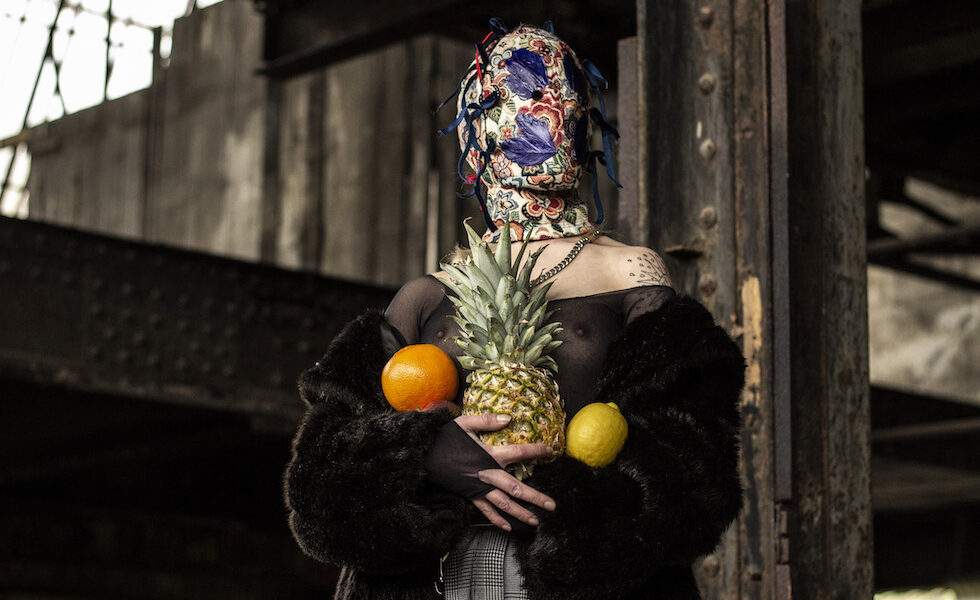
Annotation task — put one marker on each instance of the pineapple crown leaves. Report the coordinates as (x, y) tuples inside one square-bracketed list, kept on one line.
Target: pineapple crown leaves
[(501, 321)]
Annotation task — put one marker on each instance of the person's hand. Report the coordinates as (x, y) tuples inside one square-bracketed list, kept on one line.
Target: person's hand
[(507, 488)]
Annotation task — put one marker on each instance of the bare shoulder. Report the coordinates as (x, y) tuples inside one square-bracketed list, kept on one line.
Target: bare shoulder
[(633, 266)]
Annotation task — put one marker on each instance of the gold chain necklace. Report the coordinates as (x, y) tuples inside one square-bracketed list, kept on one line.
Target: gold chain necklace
[(565, 261)]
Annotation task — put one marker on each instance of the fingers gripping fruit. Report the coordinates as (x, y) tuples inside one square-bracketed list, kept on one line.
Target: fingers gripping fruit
[(418, 377), (596, 434)]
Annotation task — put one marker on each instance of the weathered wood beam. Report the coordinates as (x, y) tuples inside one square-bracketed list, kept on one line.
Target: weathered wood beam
[(929, 272), (955, 240), (144, 321), (910, 39)]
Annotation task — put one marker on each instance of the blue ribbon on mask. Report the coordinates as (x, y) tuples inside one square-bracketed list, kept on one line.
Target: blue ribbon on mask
[(468, 115), (598, 83)]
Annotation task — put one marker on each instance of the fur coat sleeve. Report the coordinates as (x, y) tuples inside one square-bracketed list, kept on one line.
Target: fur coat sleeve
[(673, 489), (355, 486)]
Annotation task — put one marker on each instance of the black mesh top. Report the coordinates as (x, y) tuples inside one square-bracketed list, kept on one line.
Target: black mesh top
[(421, 311)]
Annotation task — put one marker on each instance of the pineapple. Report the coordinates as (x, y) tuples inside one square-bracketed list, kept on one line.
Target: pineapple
[(506, 346)]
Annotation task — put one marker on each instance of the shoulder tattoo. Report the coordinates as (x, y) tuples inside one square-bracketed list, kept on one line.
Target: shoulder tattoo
[(648, 269)]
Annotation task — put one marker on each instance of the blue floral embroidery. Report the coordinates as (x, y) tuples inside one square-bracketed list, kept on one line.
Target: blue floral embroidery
[(527, 72), (576, 79), (533, 146)]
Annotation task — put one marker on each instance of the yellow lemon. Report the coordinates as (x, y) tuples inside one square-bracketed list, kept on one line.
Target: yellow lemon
[(596, 434)]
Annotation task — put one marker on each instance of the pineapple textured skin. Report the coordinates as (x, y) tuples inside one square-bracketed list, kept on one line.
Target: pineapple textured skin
[(529, 395)]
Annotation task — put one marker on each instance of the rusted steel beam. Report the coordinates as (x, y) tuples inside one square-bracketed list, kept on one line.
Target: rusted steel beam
[(703, 179), (830, 524), (301, 37), (94, 313), (734, 103)]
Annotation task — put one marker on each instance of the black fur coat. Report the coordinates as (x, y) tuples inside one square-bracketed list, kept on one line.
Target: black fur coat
[(357, 494)]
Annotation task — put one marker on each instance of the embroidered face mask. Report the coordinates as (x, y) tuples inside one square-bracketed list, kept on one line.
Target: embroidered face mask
[(524, 124)]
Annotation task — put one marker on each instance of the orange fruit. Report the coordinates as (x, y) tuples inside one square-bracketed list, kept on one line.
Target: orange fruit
[(419, 376)]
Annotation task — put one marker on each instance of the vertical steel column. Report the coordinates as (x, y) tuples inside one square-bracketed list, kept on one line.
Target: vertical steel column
[(743, 145), (830, 524)]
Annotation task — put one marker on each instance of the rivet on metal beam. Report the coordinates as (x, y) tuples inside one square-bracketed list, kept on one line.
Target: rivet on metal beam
[(708, 217), (706, 16), (707, 149), (706, 83), (747, 127)]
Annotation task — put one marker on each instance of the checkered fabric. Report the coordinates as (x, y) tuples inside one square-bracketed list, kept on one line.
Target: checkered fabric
[(483, 566)]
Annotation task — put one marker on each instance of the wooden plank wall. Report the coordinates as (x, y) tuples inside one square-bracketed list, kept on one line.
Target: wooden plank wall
[(360, 164), (204, 191), (339, 171), (87, 168)]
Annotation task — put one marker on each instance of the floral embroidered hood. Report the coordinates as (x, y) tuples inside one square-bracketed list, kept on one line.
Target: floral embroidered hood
[(524, 119)]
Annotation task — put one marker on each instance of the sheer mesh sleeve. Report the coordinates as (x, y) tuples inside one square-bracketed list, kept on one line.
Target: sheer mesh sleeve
[(644, 300), (413, 305)]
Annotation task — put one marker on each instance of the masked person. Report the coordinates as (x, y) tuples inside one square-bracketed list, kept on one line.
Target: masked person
[(412, 504)]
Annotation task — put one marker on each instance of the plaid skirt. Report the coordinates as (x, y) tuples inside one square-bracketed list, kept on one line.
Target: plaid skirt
[(484, 566)]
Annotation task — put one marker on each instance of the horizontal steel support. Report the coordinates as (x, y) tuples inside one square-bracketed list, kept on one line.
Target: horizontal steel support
[(94, 313)]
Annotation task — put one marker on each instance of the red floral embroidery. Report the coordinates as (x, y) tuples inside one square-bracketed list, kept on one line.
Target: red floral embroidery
[(553, 210)]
